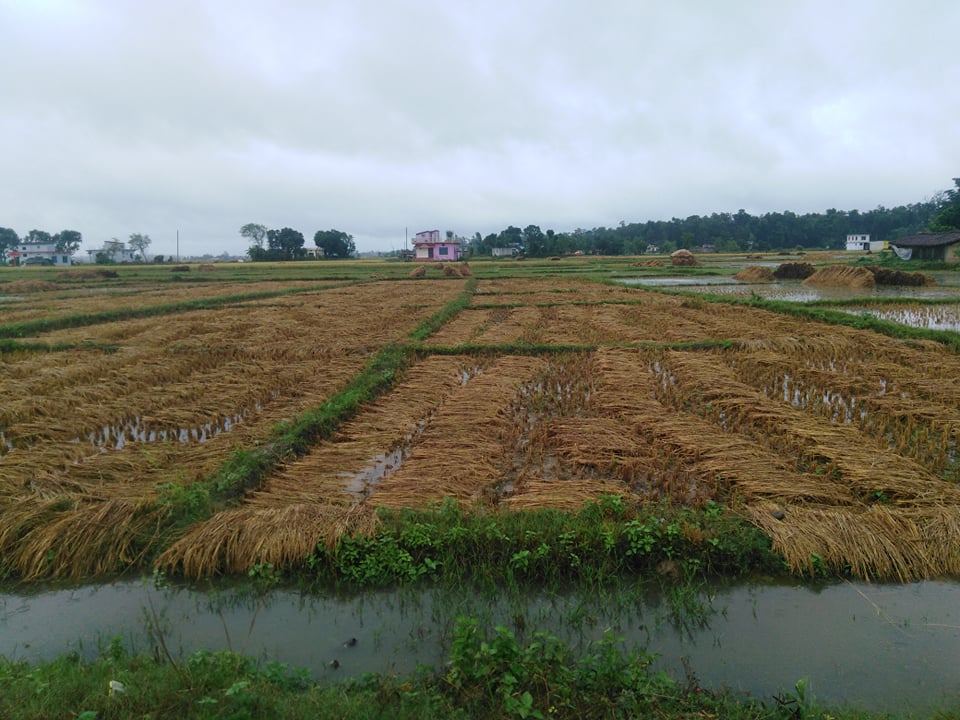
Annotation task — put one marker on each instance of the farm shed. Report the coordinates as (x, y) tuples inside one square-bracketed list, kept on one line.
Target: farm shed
[(942, 247)]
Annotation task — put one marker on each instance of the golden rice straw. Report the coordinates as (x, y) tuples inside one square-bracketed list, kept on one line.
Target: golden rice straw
[(234, 541)]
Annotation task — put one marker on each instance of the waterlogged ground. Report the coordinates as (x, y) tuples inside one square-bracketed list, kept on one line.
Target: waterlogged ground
[(883, 647)]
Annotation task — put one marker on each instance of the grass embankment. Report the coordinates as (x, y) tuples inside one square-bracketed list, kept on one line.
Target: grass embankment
[(489, 674), (601, 543)]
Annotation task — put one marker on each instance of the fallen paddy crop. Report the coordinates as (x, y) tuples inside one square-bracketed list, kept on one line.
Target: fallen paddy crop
[(349, 402)]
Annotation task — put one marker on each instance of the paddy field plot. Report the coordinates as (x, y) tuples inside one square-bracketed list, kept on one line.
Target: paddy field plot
[(841, 444)]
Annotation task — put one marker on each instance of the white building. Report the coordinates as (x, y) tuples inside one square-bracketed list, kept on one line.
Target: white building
[(115, 250), (39, 253), (863, 243)]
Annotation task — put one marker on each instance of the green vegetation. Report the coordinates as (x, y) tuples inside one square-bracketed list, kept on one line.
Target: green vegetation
[(488, 675), (495, 550)]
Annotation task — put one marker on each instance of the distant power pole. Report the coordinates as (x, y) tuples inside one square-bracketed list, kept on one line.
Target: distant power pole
[(178, 244)]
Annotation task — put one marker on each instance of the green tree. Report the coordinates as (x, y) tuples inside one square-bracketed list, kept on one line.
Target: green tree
[(38, 236), (947, 218), (254, 233), (8, 240), (334, 243), (285, 244), (140, 243), (68, 240), (534, 240)]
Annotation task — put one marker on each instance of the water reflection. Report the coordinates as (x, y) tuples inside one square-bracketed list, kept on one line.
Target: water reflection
[(885, 647)]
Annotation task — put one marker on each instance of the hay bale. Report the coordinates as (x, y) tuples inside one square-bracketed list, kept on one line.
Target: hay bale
[(418, 271), (754, 274), (842, 276), (885, 276), (465, 270), (206, 267), (683, 258), (794, 271), (180, 268), (450, 271)]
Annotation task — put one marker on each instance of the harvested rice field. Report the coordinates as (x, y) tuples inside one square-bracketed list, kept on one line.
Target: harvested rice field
[(840, 444)]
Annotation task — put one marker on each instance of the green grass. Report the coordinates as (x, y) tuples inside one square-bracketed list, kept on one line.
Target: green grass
[(489, 674), (497, 551)]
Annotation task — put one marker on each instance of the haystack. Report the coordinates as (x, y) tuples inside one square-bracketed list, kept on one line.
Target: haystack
[(206, 267), (683, 258), (465, 270), (885, 276), (794, 271), (754, 274), (450, 271), (842, 276), (418, 271)]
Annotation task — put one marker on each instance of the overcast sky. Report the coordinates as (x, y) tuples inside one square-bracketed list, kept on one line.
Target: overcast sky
[(372, 116)]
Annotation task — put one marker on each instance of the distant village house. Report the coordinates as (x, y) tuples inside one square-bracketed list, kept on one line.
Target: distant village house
[(28, 252), (428, 245), (938, 247), (113, 251), (863, 243)]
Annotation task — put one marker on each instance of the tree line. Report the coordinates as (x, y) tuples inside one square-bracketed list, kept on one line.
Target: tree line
[(732, 232), (288, 244)]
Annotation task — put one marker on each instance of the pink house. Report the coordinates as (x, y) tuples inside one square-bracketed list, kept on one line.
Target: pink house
[(428, 245)]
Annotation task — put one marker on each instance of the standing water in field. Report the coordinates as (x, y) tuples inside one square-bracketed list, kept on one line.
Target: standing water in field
[(883, 647)]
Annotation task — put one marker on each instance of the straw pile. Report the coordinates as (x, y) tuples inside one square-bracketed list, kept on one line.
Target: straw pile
[(754, 274), (683, 258), (418, 271), (885, 276), (794, 271), (841, 276)]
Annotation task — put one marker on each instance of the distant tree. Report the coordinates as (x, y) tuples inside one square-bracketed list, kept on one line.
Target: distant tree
[(947, 218), (8, 239), (258, 254), (38, 236), (104, 258), (334, 243), (158, 260), (534, 240), (68, 240), (140, 243), (254, 233), (285, 244)]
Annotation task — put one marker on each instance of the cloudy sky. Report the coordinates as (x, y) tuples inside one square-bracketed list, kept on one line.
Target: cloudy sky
[(376, 116)]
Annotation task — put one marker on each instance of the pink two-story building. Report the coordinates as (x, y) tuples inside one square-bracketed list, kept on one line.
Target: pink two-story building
[(428, 245)]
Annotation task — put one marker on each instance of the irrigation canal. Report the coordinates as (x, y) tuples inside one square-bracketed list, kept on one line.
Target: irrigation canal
[(883, 647)]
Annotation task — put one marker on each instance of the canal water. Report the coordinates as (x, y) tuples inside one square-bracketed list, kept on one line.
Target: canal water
[(883, 647)]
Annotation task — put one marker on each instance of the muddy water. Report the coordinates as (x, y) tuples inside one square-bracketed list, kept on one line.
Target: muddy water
[(884, 647)]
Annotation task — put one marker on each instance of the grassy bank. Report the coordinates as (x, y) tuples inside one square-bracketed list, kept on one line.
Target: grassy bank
[(605, 540), (489, 674)]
